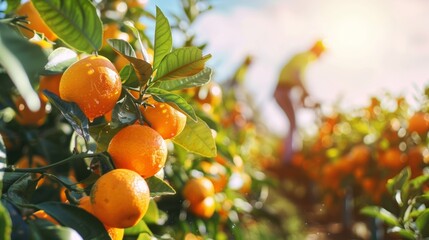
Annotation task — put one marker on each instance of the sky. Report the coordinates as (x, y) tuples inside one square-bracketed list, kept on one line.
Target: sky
[(373, 47)]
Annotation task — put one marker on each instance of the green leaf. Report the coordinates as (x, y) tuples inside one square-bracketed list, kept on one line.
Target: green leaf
[(197, 138), (125, 112), (72, 113), (21, 191), (380, 213), (5, 223), (152, 214), (422, 223), (102, 134), (12, 5), (141, 67), (181, 63), (165, 96), (22, 61), (196, 80), (163, 38), (75, 22), (397, 182), (405, 233), (144, 236), (129, 77), (88, 226), (159, 187), (59, 60), (42, 229), (3, 162), (136, 230)]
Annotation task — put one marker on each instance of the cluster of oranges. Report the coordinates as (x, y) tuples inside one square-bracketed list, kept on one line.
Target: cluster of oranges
[(361, 150), (120, 197)]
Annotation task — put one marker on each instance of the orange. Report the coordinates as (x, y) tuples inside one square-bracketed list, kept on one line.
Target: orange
[(136, 3), (36, 161), (50, 83), (197, 189), (359, 155), (419, 123), (415, 161), (93, 84), (204, 208), (40, 214), (138, 148), (112, 31), (26, 117), (216, 174), (120, 198), (393, 159), (114, 233), (36, 21), (165, 119)]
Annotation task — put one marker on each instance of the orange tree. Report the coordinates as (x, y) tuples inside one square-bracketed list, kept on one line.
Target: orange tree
[(354, 153), (89, 97)]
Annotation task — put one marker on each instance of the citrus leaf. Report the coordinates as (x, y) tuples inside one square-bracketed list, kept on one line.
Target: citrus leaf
[(102, 134), (405, 233), (22, 61), (196, 80), (141, 67), (22, 189), (124, 112), (75, 22), (136, 33), (12, 5), (380, 213), (88, 226), (144, 236), (152, 213), (163, 38), (161, 95), (129, 77), (140, 227), (422, 223), (197, 138), (59, 60), (159, 187), (72, 113), (3, 162), (43, 229), (5, 223), (181, 63)]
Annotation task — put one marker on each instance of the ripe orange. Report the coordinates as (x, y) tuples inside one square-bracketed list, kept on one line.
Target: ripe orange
[(415, 160), (40, 214), (204, 208), (120, 198), (197, 189), (137, 3), (359, 155), (36, 22), (93, 84), (50, 83), (36, 161), (26, 117), (165, 119), (216, 174), (393, 159), (112, 30), (114, 233), (138, 148), (419, 123)]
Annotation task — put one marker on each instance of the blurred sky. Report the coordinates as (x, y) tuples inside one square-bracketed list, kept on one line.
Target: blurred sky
[(373, 47)]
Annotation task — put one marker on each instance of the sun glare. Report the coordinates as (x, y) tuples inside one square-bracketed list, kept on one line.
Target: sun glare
[(354, 31)]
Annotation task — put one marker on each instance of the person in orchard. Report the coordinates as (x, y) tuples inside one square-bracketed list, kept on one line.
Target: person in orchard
[(292, 76)]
